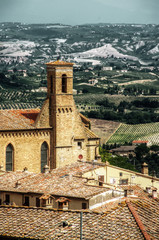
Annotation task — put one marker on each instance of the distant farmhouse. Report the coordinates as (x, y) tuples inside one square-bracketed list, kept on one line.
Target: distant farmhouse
[(55, 136), (124, 151)]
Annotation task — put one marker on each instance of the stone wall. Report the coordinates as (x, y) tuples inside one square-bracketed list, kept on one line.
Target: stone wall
[(68, 129), (26, 149)]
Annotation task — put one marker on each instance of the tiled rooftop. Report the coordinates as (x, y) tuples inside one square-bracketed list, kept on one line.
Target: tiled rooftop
[(59, 62), (148, 212), (64, 181), (90, 134), (145, 211), (18, 119), (24, 119), (137, 191), (35, 223), (139, 141), (123, 149)]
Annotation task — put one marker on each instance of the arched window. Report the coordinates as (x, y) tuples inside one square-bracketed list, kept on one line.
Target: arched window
[(44, 155), (64, 83), (9, 158)]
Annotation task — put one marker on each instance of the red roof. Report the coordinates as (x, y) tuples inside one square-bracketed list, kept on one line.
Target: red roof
[(32, 116), (18, 119), (27, 113), (140, 141)]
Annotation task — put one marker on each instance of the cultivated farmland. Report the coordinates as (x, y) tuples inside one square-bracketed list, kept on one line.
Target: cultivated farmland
[(128, 133)]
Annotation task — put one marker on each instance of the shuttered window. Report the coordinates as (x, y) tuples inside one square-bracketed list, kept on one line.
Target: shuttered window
[(44, 155), (9, 158), (123, 181)]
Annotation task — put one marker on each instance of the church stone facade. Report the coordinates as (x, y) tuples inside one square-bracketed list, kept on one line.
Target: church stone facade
[(55, 136)]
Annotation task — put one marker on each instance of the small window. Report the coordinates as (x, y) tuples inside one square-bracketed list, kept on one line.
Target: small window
[(123, 181), (120, 174), (64, 83), (37, 202), (79, 144), (49, 200), (60, 205), (101, 180), (125, 193), (7, 200), (44, 202), (26, 201), (84, 205)]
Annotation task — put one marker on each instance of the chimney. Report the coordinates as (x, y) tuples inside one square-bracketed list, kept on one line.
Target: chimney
[(17, 184), (144, 169), (154, 193), (25, 169), (46, 169), (70, 176)]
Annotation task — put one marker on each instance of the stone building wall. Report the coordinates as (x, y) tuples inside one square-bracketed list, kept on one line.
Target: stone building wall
[(26, 149), (68, 128)]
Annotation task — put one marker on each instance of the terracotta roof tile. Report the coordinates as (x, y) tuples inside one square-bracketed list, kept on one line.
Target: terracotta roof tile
[(59, 62), (65, 181), (137, 190), (18, 119), (39, 223), (84, 119), (90, 134), (148, 211), (140, 141)]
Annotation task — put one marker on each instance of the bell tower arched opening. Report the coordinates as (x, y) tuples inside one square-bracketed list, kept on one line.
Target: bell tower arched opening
[(64, 83)]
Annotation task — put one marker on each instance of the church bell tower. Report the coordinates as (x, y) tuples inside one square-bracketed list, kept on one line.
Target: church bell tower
[(61, 109)]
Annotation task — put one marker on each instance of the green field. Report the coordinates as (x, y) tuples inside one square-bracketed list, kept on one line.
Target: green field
[(128, 133)]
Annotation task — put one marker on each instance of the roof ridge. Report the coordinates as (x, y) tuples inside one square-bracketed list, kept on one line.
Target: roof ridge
[(138, 220), (91, 133), (51, 209)]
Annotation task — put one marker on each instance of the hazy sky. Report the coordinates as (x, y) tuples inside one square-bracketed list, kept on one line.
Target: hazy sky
[(79, 11)]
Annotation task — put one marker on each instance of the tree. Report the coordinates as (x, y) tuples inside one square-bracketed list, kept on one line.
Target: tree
[(154, 148), (141, 151), (14, 69)]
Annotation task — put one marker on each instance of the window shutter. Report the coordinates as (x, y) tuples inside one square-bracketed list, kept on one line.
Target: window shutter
[(101, 178)]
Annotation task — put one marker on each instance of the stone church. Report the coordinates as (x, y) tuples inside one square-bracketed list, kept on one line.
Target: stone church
[(55, 136)]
